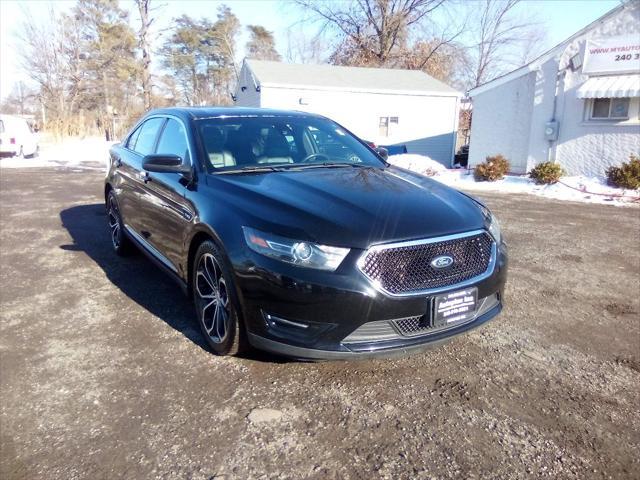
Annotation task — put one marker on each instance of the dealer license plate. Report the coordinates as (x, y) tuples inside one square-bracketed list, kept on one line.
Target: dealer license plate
[(455, 307)]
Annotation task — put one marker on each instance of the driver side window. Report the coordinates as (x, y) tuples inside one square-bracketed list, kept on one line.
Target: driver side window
[(173, 140)]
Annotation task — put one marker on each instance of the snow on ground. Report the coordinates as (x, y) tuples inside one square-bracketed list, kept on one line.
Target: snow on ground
[(93, 153), (84, 153), (577, 188)]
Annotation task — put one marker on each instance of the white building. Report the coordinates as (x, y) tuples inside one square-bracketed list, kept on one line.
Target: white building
[(578, 104), (387, 107)]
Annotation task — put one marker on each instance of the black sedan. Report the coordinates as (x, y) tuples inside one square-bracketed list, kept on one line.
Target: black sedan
[(292, 245)]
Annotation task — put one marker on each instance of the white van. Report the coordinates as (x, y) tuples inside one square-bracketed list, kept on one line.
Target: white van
[(16, 137)]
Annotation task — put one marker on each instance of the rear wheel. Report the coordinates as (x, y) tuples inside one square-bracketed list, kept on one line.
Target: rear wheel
[(119, 240), (215, 300)]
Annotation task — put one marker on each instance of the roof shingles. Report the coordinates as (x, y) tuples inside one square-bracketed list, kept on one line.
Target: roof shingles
[(277, 74)]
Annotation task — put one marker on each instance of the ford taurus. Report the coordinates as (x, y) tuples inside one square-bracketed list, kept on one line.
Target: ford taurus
[(293, 236)]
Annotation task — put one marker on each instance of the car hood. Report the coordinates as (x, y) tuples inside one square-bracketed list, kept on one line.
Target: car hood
[(347, 206)]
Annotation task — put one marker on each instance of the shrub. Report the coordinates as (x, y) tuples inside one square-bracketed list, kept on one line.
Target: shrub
[(626, 175), (546, 172), (494, 168)]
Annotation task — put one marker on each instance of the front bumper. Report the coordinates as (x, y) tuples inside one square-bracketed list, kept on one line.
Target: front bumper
[(309, 314)]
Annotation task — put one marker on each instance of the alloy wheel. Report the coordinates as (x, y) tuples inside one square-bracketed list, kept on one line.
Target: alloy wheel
[(213, 298), (114, 223)]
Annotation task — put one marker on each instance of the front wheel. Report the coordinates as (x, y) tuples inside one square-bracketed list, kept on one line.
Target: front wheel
[(215, 300)]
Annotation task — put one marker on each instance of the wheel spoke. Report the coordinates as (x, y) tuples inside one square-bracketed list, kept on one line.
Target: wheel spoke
[(201, 276), (204, 316), (222, 289), (210, 271), (221, 322)]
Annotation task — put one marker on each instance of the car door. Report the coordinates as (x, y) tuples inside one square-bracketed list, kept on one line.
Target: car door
[(167, 210), (131, 178)]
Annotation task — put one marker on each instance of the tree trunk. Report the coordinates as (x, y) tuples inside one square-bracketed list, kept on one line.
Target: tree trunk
[(145, 23)]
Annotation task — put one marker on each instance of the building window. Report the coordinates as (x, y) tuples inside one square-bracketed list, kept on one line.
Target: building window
[(610, 109), (384, 125)]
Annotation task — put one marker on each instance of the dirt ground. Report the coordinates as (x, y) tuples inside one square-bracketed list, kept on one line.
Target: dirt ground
[(104, 373)]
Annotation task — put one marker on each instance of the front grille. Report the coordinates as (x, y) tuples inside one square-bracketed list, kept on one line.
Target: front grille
[(406, 268), (412, 325)]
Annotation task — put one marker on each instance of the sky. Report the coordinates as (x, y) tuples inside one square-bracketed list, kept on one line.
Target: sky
[(561, 17)]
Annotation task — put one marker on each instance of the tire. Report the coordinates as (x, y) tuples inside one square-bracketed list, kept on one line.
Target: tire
[(216, 301), (119, 240), (34, 154)]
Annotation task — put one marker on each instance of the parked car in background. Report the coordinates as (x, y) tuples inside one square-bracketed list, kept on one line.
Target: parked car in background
[(395, 149), (16, 137), (292, 235)]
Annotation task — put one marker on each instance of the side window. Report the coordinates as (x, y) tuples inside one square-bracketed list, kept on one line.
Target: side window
[(147, 136), (384, 127), (610, 108), (173, 139), (131, 142)]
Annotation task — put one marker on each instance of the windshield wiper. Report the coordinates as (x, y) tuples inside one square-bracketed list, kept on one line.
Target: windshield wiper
[(250, 169), (326, 165)]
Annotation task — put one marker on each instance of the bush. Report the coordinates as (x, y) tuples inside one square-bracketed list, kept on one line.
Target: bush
[(546, 173), (626, 175), (494, 168)]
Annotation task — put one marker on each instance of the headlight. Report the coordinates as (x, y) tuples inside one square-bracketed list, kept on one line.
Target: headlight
[(300, 253), (494, 228)]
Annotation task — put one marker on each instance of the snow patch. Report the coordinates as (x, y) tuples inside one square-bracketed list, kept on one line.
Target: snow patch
[(417, 163), (576, 188), (84, 153)]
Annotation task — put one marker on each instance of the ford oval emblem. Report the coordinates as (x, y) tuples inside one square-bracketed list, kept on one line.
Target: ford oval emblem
[(443, 261)]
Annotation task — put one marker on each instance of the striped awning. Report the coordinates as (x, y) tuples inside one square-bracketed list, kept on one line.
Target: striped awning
[(619, 86)]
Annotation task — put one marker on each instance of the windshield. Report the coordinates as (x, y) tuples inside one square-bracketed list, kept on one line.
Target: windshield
[(249, 143)]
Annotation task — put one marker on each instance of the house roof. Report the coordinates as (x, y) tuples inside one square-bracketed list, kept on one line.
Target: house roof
[(535, 64), (331, 77)]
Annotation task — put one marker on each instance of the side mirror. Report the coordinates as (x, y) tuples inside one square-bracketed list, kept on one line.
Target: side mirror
[(164, 163), (382, 152)]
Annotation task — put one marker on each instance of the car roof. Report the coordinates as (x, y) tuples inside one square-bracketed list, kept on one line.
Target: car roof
[(198, 113)]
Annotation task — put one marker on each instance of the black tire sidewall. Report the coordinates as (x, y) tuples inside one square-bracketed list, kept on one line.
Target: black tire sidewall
[(234, 341)]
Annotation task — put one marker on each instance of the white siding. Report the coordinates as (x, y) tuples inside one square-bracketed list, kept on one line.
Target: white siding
[(249, 97), (501, 123), (426, 124), (511, 117)]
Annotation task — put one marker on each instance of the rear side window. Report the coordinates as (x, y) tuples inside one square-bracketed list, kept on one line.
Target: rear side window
[(147, 137), (173, 139), (131, 143)]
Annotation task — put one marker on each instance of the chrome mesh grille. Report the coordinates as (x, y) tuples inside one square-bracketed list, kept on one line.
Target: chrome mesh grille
[(407, 268), (412, 325)]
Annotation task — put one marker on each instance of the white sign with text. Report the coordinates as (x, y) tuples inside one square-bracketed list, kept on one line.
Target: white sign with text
[(612, 55)]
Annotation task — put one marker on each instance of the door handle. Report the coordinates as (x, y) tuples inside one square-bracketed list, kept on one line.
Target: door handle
[(117, 162), (144, 176)]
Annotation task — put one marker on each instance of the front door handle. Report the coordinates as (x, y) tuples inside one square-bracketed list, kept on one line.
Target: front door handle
[(144, 176)]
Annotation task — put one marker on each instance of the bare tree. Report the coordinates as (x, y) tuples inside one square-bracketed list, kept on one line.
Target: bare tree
[(372, 32), (144, 9), (499, 33), (50, 56), (305, 48)]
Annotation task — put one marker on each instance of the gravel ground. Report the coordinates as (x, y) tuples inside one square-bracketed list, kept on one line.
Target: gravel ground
[(104, 373)]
